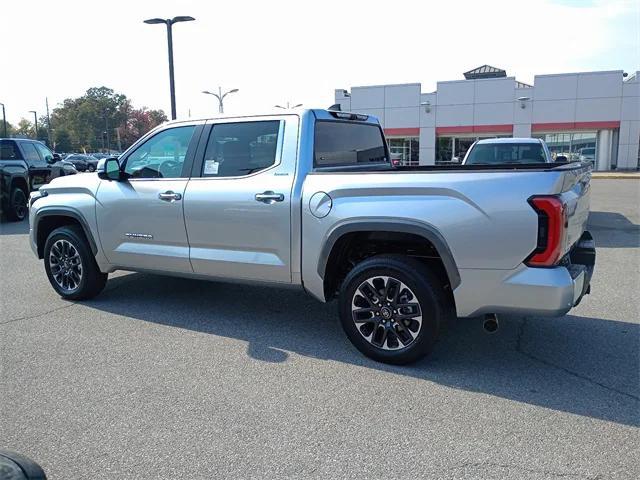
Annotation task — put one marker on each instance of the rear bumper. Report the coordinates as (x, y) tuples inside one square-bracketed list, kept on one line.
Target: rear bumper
[(531, 291)]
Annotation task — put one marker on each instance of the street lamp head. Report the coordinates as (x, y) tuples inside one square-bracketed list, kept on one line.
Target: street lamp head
[(297, 106), (233, 91), (182, 19), (152, 21), (280, 106)]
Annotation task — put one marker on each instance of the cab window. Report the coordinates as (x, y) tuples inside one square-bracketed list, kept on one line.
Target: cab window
[(31, 154), (9, 150), (44, 152), (161, 156), (238, 149)]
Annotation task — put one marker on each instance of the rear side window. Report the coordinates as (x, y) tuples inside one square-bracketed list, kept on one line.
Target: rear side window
[(492, 154), (9, 150), (31, 154), (346, 143), (237, 149)]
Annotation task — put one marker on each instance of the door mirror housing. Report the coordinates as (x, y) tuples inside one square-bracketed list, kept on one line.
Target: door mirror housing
[(53, 159), (109, 169), (561, 159)]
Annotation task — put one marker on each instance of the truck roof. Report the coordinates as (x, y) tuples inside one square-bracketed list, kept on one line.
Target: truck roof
[(510, 140)]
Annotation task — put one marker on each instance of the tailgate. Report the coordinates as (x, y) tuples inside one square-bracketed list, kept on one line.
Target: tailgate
[(576, 193)]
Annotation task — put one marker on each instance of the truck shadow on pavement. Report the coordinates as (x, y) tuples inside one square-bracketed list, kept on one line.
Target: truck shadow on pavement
[(613, 230), (585, 366)]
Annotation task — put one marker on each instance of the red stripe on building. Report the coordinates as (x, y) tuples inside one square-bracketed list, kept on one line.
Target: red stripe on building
[(554, 127), (475, 129), (408, 132)]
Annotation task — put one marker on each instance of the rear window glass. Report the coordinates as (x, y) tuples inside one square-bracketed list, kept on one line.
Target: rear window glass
[(489, 154), (9, 150), (344, 144)]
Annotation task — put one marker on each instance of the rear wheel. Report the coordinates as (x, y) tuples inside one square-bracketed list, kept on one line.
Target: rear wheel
[(17, 204), (70, 265), (91, 168), (391, 308)]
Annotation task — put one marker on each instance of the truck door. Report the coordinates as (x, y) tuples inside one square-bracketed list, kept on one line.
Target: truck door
[(39, 169), (140, 219), (238, 202)]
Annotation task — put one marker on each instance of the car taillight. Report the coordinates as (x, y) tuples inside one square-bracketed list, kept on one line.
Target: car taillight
[(551, 231)]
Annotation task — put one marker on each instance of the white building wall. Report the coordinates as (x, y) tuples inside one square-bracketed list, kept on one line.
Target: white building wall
[(574, 99)]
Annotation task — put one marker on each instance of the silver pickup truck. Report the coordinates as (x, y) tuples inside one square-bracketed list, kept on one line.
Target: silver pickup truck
[(311, 200)]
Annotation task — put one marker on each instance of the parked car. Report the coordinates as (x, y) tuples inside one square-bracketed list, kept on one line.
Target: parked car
[(82, 162), (587, 154), (496, 151), (25, 165), (310, 200)]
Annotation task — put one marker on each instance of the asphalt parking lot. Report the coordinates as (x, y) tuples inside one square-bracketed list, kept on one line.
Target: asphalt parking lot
[(167, 378)]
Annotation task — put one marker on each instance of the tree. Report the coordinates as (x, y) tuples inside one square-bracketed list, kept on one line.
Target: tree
[(25, 128), (62, 140), (10, 130), (90, 121)]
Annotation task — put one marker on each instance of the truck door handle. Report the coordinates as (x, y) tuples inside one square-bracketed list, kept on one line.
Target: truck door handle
[(269, 197), (169, 196)]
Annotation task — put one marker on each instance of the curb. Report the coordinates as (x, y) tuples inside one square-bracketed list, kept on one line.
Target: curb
[(618, 176)]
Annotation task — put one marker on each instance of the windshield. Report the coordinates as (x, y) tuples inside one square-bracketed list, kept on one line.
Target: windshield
[(489, 154)]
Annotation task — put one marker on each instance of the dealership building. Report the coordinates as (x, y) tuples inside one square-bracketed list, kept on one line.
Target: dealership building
[(590, 116)]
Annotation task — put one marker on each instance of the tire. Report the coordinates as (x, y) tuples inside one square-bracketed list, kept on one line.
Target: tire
[(91, 168), (17, 210), (408, 282), (65, 249)]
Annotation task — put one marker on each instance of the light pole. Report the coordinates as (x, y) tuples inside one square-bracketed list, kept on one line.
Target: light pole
[(169, 23), (35, 118), (288, 106), (220, 96), (4, 120)]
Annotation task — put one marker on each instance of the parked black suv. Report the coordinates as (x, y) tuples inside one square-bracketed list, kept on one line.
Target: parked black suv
[(25, 165)]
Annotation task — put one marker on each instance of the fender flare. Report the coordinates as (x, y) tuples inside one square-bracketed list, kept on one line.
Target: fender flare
[(427, 231), (64, 212)]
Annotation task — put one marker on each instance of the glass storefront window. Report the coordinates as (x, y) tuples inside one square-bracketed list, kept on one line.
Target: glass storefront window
[(573, 145), (407, 150)]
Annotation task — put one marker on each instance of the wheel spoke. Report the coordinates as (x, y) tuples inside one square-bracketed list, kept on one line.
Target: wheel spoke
[(386, 313)]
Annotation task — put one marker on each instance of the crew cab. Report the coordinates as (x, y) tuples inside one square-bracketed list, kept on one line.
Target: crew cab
[(310, 200), (25, 165)]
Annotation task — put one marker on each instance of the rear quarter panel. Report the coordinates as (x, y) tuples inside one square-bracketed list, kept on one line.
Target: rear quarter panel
[(484, 217)]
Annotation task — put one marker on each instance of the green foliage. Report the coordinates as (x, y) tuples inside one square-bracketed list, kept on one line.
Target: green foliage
[(90, 122), (10, 129)]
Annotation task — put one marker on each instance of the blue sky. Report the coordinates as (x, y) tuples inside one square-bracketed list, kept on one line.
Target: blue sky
[(285, 50)]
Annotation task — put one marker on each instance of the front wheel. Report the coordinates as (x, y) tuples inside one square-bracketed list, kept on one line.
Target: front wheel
[(70, 266), (391, 308)]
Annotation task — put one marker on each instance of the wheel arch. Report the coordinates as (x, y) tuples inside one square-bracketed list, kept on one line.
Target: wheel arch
[(426, 232), (48, 219)]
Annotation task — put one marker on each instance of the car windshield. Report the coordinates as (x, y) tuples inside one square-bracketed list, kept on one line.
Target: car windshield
[(498, 153)]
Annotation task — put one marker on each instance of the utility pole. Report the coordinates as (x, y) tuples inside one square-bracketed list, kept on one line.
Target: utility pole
[(46, 100)]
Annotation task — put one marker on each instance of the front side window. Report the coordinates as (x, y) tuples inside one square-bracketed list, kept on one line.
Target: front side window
[(161, 156), (45, 153), (237, 149), (31, 154), (346, 143), (490, 154)]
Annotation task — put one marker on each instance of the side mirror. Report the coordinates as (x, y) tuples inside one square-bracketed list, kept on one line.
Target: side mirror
[(561, 159), (109, 169)]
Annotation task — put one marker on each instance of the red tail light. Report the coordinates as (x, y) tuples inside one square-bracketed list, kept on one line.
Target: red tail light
[(551, 231)]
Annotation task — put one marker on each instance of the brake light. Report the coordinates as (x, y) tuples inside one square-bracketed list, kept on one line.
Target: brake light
[(552, 222)]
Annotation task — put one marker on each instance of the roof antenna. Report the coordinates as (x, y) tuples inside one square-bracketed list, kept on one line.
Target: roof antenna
[(335, 107)]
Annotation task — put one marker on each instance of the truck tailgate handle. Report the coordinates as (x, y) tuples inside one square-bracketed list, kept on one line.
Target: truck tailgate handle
[(269, 197)]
